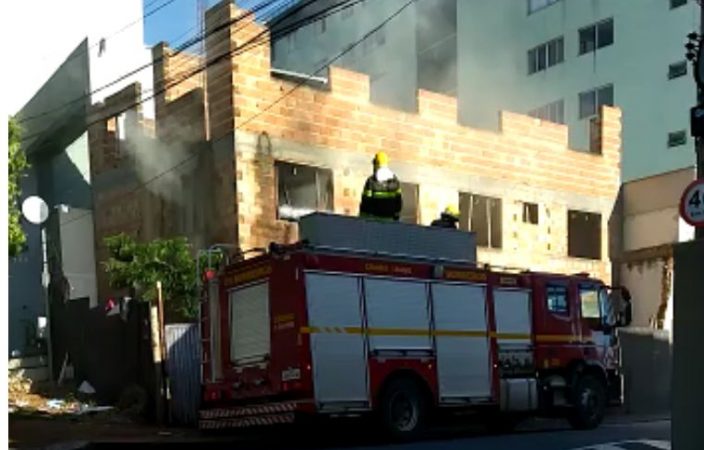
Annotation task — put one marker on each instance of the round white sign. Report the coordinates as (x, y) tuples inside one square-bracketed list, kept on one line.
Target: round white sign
[(35, 210), (692, 203)]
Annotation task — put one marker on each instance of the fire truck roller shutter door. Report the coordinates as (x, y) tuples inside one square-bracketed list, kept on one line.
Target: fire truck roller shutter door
[(397, 314), (512, 310), (461, 341), (339, 357), (250, 338)]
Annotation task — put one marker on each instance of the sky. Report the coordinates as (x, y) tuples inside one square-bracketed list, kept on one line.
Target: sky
[(177, 21)]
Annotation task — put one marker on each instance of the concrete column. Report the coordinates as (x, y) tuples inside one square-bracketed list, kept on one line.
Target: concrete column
[(688, 339)]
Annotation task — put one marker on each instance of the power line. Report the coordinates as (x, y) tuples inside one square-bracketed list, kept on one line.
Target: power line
[(283, 31), (189, 43), (129, 25), (298, 85)]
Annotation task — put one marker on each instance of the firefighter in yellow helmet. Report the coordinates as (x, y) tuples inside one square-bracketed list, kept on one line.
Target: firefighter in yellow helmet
[(448, 218), (382, 192)]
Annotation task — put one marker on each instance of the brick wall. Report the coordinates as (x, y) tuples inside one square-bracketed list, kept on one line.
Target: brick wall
[(340, 129), (174, 77)]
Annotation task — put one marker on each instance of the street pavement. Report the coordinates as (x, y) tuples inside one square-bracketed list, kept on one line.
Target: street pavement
[(651, 434)]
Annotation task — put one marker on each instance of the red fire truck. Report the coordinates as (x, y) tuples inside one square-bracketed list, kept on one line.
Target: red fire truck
[(300, 330)]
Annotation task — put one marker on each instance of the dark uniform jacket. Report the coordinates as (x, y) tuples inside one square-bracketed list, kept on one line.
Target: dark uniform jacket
[(381, 199), (445, 221)]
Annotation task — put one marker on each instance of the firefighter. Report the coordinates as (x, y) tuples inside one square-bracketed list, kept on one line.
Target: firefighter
[(448, 218), (381, 198)]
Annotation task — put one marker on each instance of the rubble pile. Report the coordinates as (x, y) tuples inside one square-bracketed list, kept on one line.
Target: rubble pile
[(25, 397)]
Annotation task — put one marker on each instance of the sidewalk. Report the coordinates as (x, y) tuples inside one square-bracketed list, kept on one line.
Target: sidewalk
[(31, 432)]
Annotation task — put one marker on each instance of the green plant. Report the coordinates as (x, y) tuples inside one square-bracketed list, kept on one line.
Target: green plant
[(17, 165), (138, 266)]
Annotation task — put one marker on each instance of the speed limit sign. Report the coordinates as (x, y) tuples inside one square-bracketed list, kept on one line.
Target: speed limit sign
[(692, 203)]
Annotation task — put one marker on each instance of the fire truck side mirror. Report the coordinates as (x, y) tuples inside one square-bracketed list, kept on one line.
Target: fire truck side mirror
[(626, 316)]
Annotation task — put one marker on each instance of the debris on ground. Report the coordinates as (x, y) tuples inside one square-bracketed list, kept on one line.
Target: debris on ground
[(86, 388), (28, 398)]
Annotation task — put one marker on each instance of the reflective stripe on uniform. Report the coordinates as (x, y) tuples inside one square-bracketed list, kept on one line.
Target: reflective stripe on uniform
[(381, 194)]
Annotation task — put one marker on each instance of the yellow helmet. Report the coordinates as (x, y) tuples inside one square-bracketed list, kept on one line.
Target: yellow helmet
[(452, 211), (381, 159)]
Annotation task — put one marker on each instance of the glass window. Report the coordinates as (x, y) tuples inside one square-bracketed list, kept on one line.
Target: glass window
[(596, 36), (676, 138), (677, 3), (556, 51), (556, 297), (677, 70), (605, 33), (605, 96), (540, 56), (536, 5), (587, 40), (532, 62), (546, 55), (591, 101), (589, 299), (587, 104)]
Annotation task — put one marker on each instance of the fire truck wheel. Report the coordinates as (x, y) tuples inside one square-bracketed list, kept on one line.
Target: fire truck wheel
[(403, 408), (590, 403)]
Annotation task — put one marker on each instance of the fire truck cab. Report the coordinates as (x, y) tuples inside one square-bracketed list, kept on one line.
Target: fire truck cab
[(311, 329)]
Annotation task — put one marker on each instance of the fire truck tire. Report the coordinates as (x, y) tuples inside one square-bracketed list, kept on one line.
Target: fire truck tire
[(589, 403), (403, 409)]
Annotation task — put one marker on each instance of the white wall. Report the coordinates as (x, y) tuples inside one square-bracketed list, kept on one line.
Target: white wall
[(77, 254), (644, 281), (493, 41), (45, 32)]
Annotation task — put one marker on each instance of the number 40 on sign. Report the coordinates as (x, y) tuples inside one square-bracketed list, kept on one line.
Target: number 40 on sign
[(692, 203)]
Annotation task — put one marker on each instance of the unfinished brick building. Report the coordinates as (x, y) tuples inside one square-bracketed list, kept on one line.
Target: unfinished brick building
[(262, 152)]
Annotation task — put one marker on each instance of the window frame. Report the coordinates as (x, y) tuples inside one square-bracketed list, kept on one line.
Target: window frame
[(597, 93), (535, 9), (674, 140), (564, 287), (321, 204), (673, 74), (545, 112), (594, 30), (572, 252), (539, 58), (526, 209), (468, 198)]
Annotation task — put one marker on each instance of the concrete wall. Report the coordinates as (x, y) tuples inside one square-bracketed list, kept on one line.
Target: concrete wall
[(651, 224), (493, 40), (646, 363), (688, 365)]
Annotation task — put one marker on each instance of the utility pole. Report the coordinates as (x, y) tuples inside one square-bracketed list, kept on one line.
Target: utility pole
[(695, 53), (699, 143)]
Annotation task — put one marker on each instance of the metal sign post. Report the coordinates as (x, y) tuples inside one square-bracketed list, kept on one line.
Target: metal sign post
[(695, 53)]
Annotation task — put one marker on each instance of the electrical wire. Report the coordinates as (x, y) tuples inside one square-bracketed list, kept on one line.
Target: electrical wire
[(189, 43), (283, 31), (121, 30), (298, 85)]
